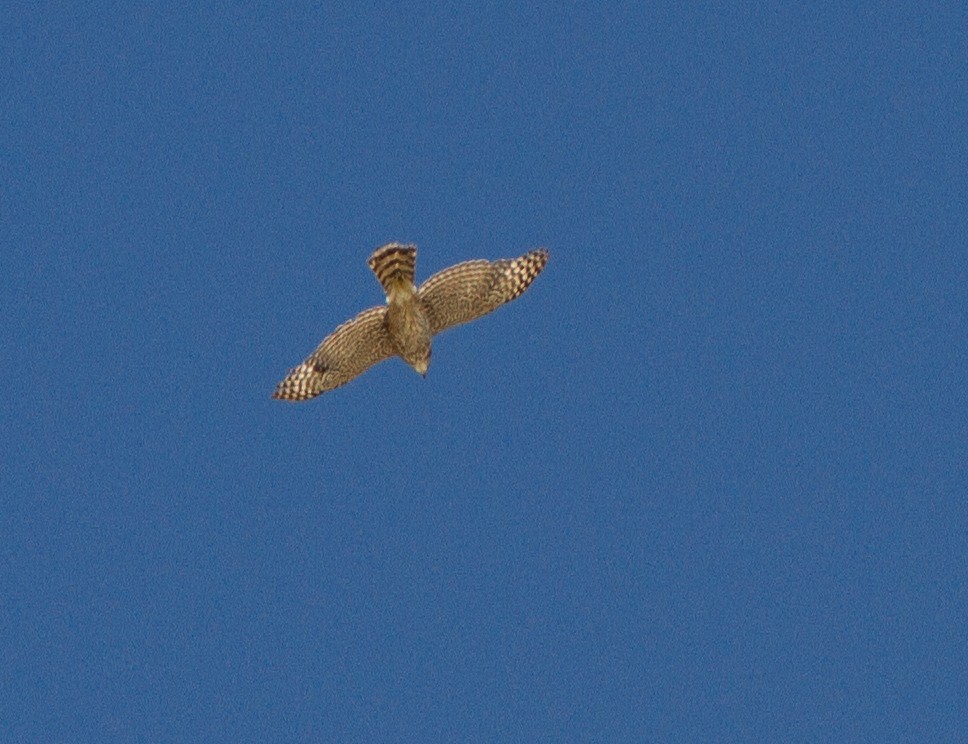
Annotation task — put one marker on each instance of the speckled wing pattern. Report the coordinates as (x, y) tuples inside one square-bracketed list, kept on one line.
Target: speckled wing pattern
[(350, 350), (466, 291)]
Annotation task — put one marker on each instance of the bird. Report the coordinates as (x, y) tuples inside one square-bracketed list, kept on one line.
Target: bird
[(411, 317)]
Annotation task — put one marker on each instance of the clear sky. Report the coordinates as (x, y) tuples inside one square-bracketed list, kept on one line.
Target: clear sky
[(705, 481)]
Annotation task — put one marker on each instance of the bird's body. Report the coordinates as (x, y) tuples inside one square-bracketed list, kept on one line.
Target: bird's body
[(406, 319), (411, 317)]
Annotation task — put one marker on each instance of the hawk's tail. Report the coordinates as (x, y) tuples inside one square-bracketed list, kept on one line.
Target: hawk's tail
[(394, 264)]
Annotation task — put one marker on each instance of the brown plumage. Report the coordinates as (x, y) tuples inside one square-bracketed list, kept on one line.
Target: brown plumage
[(406, 324)]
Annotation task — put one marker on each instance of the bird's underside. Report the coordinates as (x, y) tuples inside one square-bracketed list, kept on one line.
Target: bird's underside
[(411, 317)]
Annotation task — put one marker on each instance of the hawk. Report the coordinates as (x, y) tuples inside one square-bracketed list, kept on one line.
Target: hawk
[(411, 317)]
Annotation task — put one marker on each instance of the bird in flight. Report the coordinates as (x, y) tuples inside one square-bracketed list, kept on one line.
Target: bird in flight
[(411, 317)]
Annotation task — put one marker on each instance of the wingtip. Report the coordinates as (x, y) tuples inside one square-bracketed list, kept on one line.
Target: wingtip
[(539, 255)]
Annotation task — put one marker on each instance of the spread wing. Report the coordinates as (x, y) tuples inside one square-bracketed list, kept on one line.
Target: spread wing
[(347, 352), (468, 290)]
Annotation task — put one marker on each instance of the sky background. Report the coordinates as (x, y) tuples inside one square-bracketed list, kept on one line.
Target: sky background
[(705, 481)]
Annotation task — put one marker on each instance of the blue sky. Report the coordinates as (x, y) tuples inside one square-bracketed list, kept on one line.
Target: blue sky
[(704, 481)]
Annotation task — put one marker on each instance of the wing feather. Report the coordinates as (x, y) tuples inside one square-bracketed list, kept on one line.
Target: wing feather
[(469, 290), (347, 352)]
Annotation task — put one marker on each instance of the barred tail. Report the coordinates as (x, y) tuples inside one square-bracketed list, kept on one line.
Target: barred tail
[(394, 264)]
